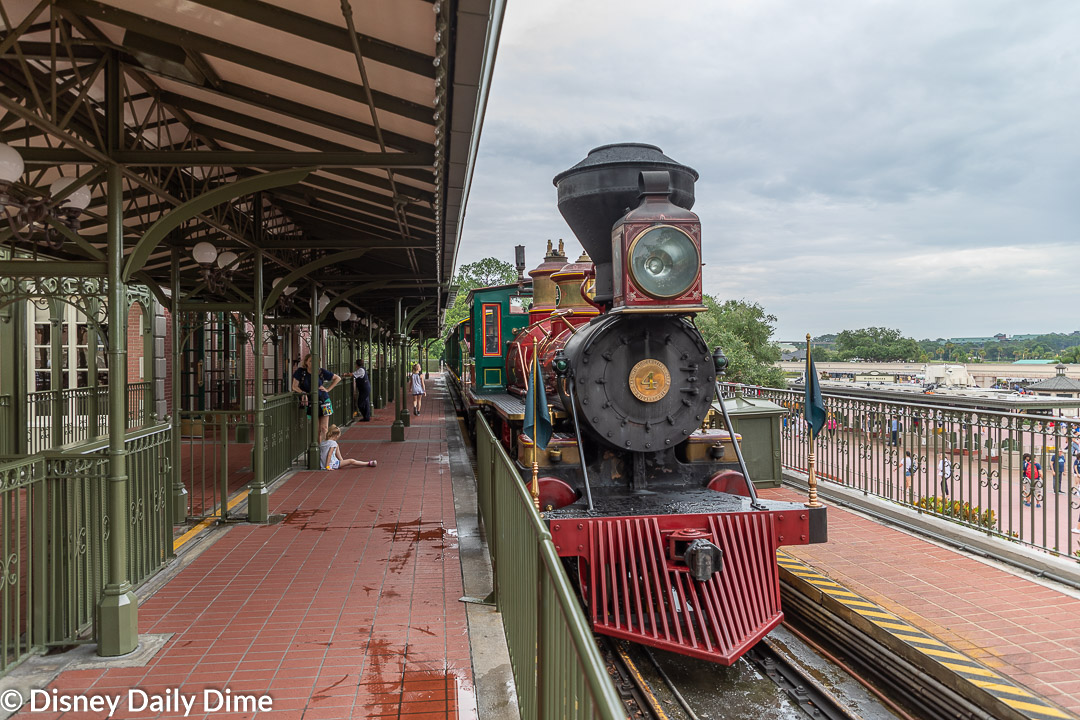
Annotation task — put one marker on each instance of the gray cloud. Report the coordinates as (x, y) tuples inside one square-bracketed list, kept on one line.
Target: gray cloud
[(909, 164)]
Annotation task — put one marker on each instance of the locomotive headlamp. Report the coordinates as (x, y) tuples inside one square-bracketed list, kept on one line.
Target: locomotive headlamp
[(720, 361), (664, 262), (560, 364)]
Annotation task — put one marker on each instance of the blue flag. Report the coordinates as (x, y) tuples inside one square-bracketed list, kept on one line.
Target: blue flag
[(814, 408), (537, 417)]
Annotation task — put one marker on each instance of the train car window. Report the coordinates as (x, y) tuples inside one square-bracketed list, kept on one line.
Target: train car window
[(519, 304), (491, 327)]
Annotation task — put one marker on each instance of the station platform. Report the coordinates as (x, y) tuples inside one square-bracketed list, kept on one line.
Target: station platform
[(979, 622), (347, 606)]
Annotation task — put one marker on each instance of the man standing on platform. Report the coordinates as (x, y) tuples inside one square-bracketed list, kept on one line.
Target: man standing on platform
[(362, 386)]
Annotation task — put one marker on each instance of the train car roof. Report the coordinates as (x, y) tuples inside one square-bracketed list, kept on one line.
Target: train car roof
[(526, 285)]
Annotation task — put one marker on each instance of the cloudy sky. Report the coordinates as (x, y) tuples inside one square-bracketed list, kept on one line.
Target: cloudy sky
[(913, 164)]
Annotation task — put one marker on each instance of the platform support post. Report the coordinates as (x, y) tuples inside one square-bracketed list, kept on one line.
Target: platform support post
[(397, 430), (313, 395), (179, 492), (258, 494), (404, 375), (118, 609)]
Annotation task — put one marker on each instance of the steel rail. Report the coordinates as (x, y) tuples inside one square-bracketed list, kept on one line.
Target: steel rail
[(804, 690)]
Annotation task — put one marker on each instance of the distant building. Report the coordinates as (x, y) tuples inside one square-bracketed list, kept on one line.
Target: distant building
[(1057, 386)]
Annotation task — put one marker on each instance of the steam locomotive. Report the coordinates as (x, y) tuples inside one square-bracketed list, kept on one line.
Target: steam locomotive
[(654, 513)]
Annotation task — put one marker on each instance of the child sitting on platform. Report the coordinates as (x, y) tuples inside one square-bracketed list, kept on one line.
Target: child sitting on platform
[(330, 453)]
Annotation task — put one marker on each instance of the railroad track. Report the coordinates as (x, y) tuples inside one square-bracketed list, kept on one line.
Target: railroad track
[(701, 690)]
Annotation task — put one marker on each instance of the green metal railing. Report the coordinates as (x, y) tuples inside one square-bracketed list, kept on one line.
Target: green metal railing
[(962, 464), (557, 667), (215, 458), (54, 535), (62, 417), (286, 433)]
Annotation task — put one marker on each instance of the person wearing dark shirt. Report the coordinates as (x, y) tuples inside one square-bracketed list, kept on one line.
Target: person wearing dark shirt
[(327, 381), (362, 386)]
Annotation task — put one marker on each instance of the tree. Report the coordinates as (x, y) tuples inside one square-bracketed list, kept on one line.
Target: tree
[(822, 354), (878, 344), (1070, 355), (743, 330), (482, 273)]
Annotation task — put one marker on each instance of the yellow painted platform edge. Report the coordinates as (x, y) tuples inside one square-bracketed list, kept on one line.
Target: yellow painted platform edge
[(1001, 688), (196, 529)]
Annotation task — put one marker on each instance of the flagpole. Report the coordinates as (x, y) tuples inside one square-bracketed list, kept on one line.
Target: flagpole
[(534, 376), (811, 480)]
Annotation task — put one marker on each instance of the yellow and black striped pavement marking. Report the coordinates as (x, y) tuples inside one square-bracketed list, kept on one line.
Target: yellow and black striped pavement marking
[(1015, 696)]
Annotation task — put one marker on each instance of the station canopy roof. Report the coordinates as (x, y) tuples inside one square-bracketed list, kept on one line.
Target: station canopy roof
[(379, 102)]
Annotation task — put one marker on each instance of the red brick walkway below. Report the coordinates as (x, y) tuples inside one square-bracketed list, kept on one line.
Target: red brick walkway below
[(349, 608), (1020, 628)]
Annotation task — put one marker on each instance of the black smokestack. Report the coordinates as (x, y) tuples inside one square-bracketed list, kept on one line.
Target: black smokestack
[(599, 190)]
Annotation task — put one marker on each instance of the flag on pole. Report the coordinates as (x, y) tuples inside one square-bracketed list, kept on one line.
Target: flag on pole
[(814, 408), (537, 417)]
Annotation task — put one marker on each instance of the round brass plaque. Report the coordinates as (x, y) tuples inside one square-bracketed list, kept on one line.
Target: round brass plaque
[(649, 380)]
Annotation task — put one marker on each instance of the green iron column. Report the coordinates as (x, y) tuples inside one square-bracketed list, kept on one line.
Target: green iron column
[(403, 381), (118, 610), (57, 406), (397, 430), (179, 492), (92, 342), (383, 369), (313, 395), (258, 494)]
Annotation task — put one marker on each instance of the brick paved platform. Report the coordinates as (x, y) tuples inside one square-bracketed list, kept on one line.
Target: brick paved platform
[(348, 608), (1024, 629)]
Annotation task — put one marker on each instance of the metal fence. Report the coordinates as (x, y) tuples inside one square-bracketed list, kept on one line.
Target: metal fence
[(557, 667), (215, 458), (286, 433), (1012, 475), (62, 417), (54, 535)]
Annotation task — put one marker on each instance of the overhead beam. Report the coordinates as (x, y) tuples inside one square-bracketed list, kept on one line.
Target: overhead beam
[(278, 131), (325, 34), (171, 220), (194, 42), (232, 158), (270, 158), (244, 95)]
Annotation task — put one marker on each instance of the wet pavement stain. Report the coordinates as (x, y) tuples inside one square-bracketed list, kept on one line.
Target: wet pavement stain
[(302, 519), (391, 684)]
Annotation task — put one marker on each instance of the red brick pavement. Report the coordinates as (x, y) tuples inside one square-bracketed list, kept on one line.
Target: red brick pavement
[(1019, 627), (346, 609)]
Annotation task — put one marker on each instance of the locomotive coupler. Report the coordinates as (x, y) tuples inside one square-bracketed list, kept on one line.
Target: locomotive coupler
[(703, 558), (693, 549)]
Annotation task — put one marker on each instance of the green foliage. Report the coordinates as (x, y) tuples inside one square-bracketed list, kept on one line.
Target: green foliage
[(1060, 346), (743, 330), (878, 344), (822, 354), (963, 512), (1070, 355)]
